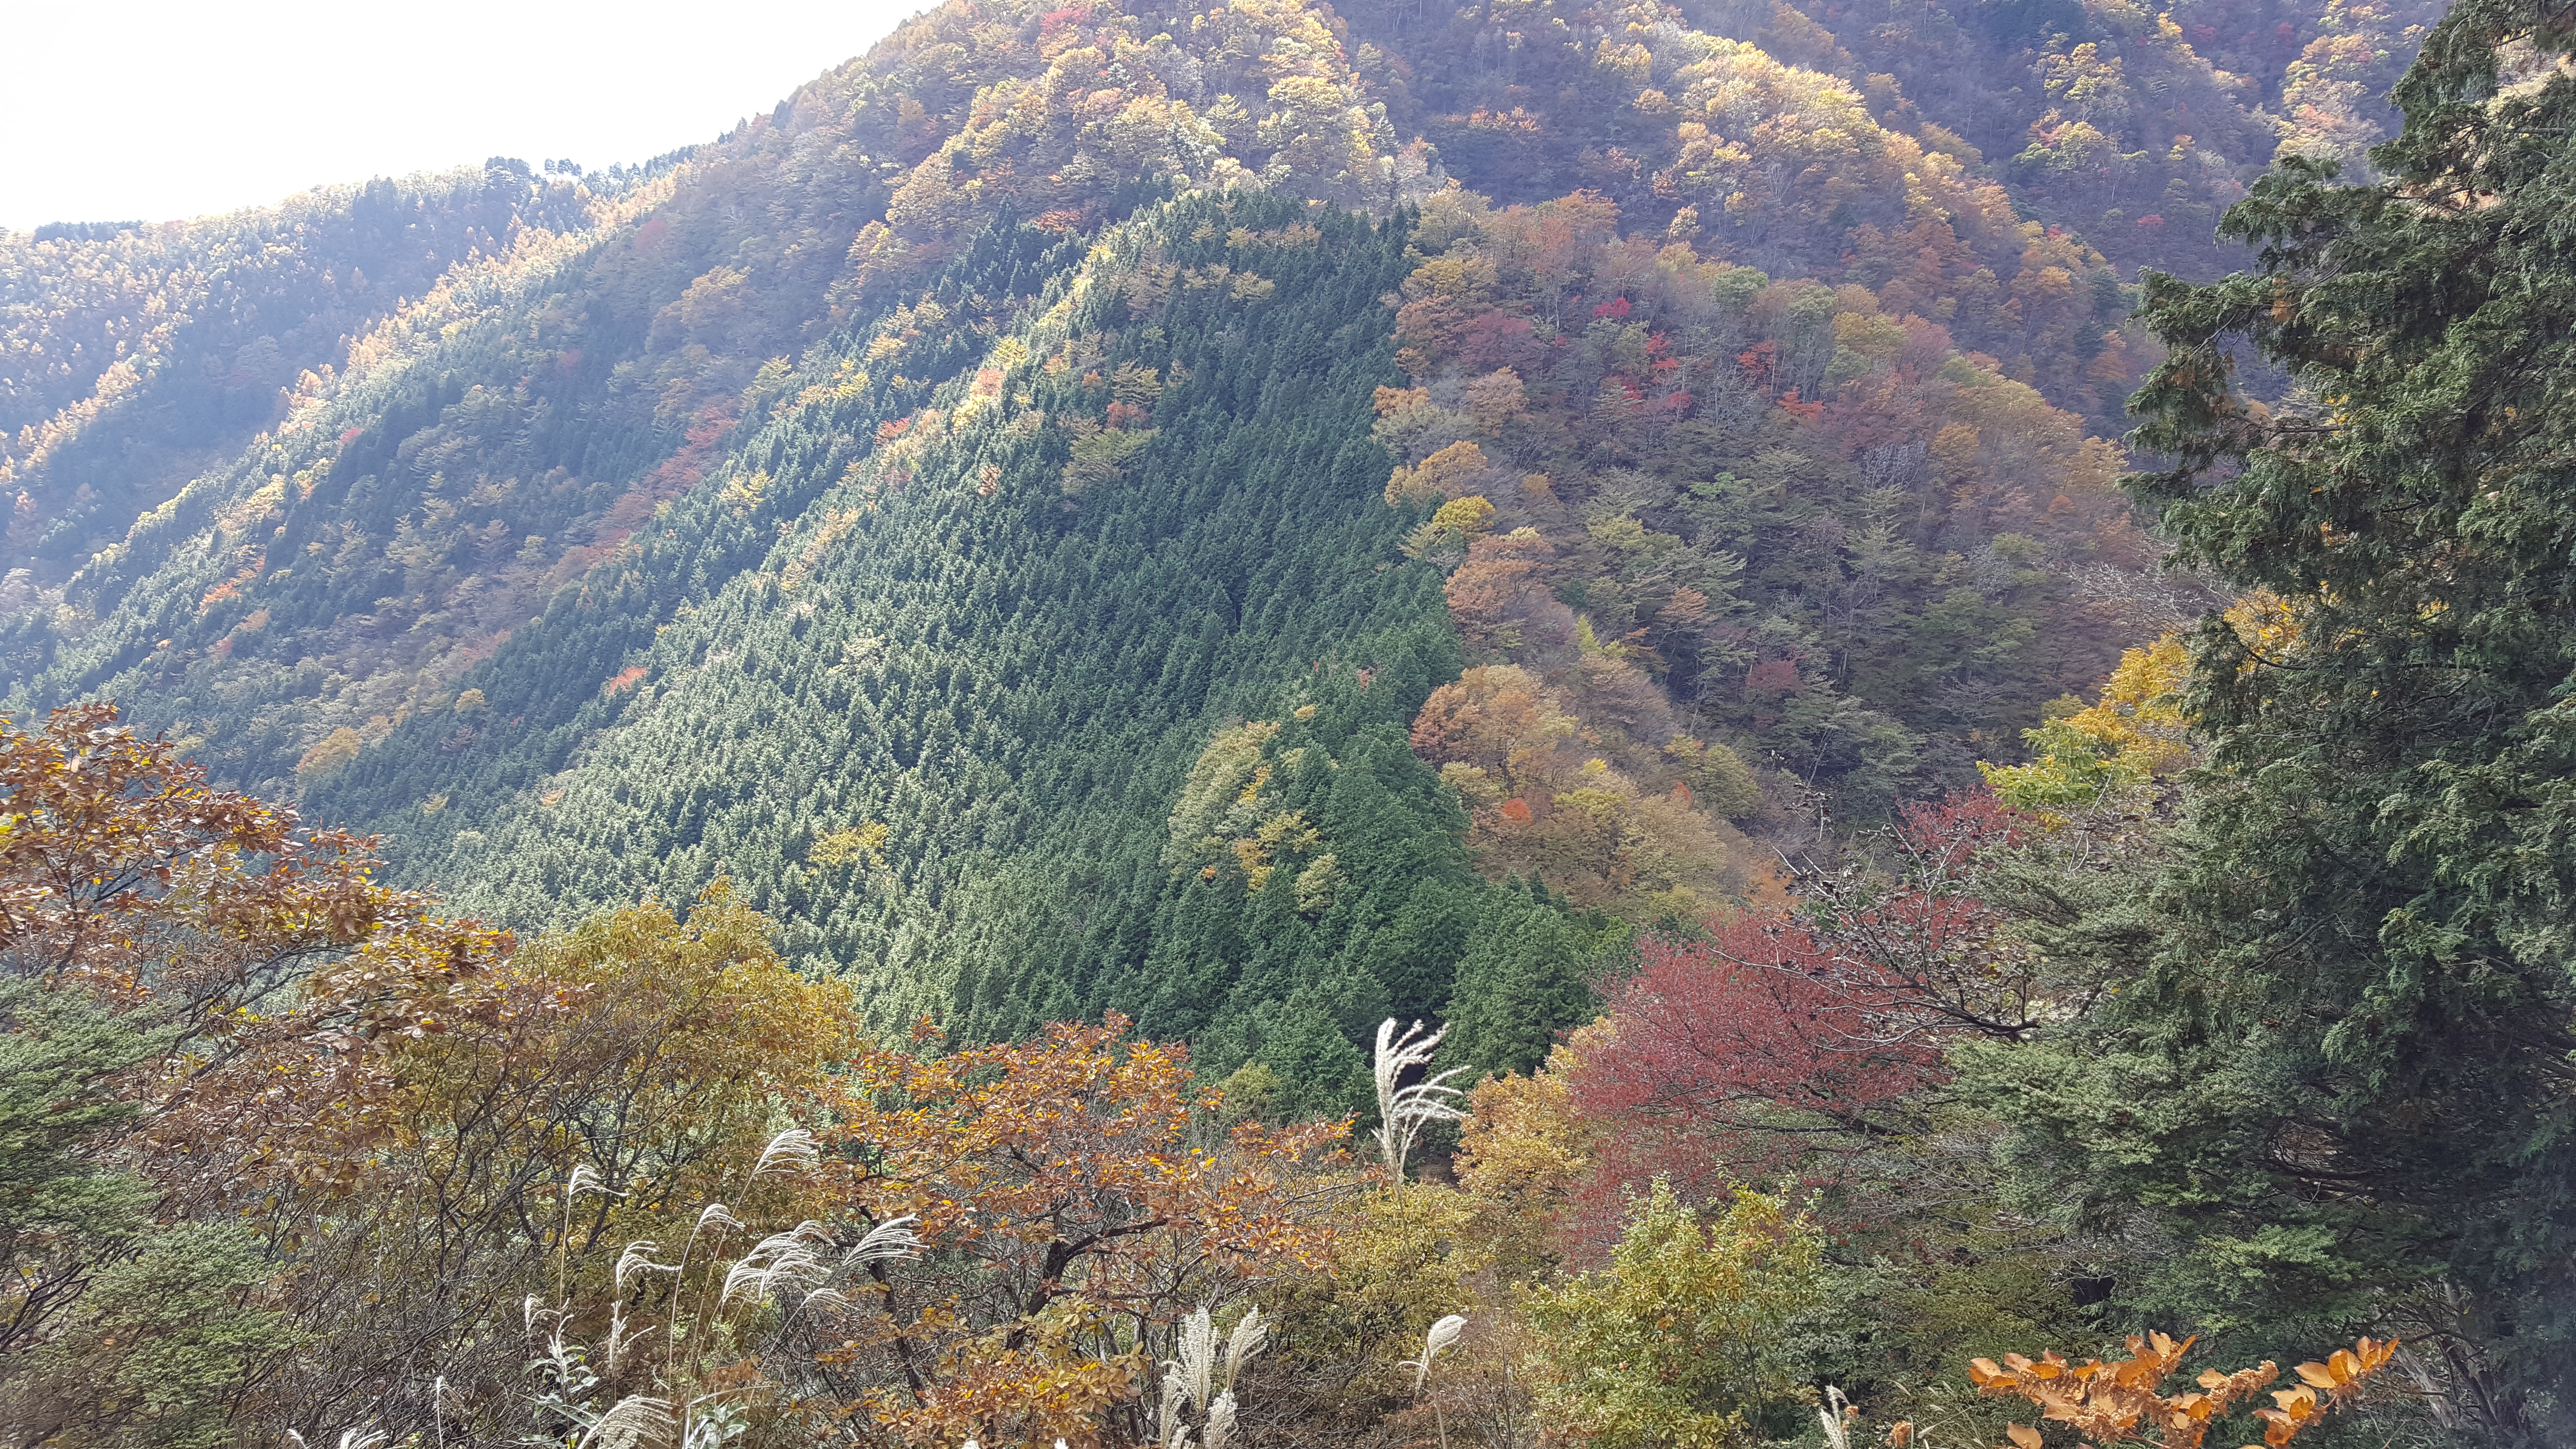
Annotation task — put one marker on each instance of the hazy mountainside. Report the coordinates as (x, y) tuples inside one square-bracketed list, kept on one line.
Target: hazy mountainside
[(914, 502), (132, 356), (2133, 125)]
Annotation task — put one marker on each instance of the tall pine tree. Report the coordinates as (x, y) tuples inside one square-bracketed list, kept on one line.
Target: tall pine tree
[(2343, 1068)]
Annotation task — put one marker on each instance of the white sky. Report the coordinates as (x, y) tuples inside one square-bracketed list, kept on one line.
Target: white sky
[(115, 110)]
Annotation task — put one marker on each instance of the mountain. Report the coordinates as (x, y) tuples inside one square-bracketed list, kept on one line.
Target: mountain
[(887, 720), (1190, 513)]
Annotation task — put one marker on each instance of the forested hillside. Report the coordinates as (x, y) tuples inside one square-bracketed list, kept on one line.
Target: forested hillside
[(136, 355), (945, 724), (803, 793), (911, 486)]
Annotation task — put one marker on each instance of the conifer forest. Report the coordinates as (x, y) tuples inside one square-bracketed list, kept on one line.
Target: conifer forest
[(1626, 724)]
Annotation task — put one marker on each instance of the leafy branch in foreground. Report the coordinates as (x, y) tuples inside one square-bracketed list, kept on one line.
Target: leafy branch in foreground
[(2114, 1402)]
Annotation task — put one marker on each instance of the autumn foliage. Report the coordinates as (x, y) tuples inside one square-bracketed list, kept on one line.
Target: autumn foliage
[(206, 1008), (2117, 1402), (189, 910), (1778, 1041), (1612, 823), (1078, 1206)]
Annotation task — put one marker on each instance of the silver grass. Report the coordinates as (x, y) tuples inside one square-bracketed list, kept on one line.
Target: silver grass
[(1199, 1377), (718, 1215), (349, 1439), (1195, 1368), (619, 1340), (787, 1258), (529, 1313), (1175, 1435), (1442, 1337), (1831, 1416), (584, 1178), (1220, 1422), (793, 1260), (627, 1422), (793, 1150), (639, 1257), (1403, 1112), (893, 1238), (1246, 1340)]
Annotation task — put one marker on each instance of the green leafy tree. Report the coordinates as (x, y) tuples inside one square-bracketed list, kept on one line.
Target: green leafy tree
[(1680, 1340)]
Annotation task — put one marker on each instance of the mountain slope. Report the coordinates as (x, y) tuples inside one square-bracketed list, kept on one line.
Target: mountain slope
[(132, 356), (1013, 681), (1022, 508)]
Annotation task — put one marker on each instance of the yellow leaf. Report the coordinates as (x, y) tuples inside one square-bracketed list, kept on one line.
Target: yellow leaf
[(2023, 1435), (2321, 1376)]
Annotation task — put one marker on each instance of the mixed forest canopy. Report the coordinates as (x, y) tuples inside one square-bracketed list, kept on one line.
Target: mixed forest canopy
[(803, 793)]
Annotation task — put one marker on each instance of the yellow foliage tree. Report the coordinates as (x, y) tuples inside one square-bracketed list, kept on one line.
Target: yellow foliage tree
[(1452, 472), (2133, 733), (2138, 729), (1446, 537), (333, 751), (1524, 1150), (862, 844)]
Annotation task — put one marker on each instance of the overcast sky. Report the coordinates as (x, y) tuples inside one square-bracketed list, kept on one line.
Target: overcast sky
[(116, 110)]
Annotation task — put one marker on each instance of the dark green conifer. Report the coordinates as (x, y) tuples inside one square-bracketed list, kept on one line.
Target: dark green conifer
[(1525, 976), (2343, 1066)]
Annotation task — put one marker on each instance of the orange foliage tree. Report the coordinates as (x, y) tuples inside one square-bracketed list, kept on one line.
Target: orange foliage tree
[(1076, 1203), (189, 911), (1607, 821)]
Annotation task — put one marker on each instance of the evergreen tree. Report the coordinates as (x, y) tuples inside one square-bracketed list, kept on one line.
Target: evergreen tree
[(2343, 1064), (1320, 1074), (1526, 976)]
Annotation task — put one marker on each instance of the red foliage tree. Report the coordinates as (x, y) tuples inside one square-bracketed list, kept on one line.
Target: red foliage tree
[(1780, 1041)]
